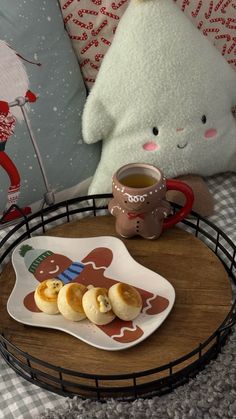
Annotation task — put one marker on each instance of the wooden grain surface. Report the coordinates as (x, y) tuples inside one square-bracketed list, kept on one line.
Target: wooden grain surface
[(203, 299)]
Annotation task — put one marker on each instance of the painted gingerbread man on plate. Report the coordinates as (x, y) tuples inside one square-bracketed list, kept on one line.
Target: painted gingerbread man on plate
[(45, 264)]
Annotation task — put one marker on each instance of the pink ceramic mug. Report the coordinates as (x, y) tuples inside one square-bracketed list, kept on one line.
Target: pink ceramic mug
[(139, 201)]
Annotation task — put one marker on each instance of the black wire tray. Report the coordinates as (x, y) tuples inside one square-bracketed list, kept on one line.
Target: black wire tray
[(101, 387)]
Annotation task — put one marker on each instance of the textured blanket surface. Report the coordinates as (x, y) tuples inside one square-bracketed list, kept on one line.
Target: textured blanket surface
[(212, 394)]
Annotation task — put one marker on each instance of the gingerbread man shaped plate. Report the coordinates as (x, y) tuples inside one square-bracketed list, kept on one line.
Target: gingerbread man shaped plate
[(98, 261)]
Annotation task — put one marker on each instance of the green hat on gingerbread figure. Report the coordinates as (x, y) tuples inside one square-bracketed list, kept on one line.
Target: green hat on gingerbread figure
[(33, 257)]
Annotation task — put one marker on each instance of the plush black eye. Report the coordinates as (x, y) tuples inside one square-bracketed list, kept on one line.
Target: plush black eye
[(155, 131), (204, 119)]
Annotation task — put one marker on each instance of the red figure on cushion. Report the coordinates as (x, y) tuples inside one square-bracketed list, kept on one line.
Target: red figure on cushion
[(14, 85), (7, 126)]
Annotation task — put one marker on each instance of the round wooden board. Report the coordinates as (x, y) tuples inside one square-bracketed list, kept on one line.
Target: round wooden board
[(203, 299)]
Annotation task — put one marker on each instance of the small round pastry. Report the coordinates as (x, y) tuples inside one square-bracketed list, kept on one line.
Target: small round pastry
[(70, 301), (45, 295), (97, 306), (125, 300)]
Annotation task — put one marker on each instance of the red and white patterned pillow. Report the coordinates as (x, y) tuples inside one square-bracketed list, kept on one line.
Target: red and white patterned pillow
[(91, 25), (216, 19)]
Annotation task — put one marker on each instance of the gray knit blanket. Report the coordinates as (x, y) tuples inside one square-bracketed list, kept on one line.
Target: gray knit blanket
[(212, 394)]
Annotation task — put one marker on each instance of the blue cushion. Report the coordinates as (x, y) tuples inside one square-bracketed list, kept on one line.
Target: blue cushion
[(33, 30)]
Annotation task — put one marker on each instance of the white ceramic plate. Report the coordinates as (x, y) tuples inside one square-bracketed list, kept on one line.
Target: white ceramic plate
[(102, 261)]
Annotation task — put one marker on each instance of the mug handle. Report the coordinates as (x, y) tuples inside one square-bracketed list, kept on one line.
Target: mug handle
[(177, 185)]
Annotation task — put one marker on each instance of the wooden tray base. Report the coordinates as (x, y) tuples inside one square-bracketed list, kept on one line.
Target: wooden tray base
[(203, 299)]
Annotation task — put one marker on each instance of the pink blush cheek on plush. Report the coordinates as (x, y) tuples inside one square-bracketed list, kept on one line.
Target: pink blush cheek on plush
[(210, 133), (150, 146)]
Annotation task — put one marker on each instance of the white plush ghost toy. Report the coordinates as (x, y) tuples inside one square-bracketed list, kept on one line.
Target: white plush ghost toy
[(164, 95)]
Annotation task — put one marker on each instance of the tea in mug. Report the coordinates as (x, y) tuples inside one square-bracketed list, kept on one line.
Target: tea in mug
[(138, 180)]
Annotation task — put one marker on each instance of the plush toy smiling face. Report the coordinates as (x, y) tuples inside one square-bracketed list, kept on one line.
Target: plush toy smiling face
[(186, 140), (163, 97)]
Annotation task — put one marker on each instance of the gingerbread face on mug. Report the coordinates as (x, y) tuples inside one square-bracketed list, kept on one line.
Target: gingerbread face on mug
[(139, 201)]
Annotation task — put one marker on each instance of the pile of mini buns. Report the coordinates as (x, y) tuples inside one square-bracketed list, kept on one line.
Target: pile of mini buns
[(77, 302)]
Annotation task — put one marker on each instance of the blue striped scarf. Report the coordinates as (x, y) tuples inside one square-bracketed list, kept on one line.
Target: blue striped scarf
[(71, 273)]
